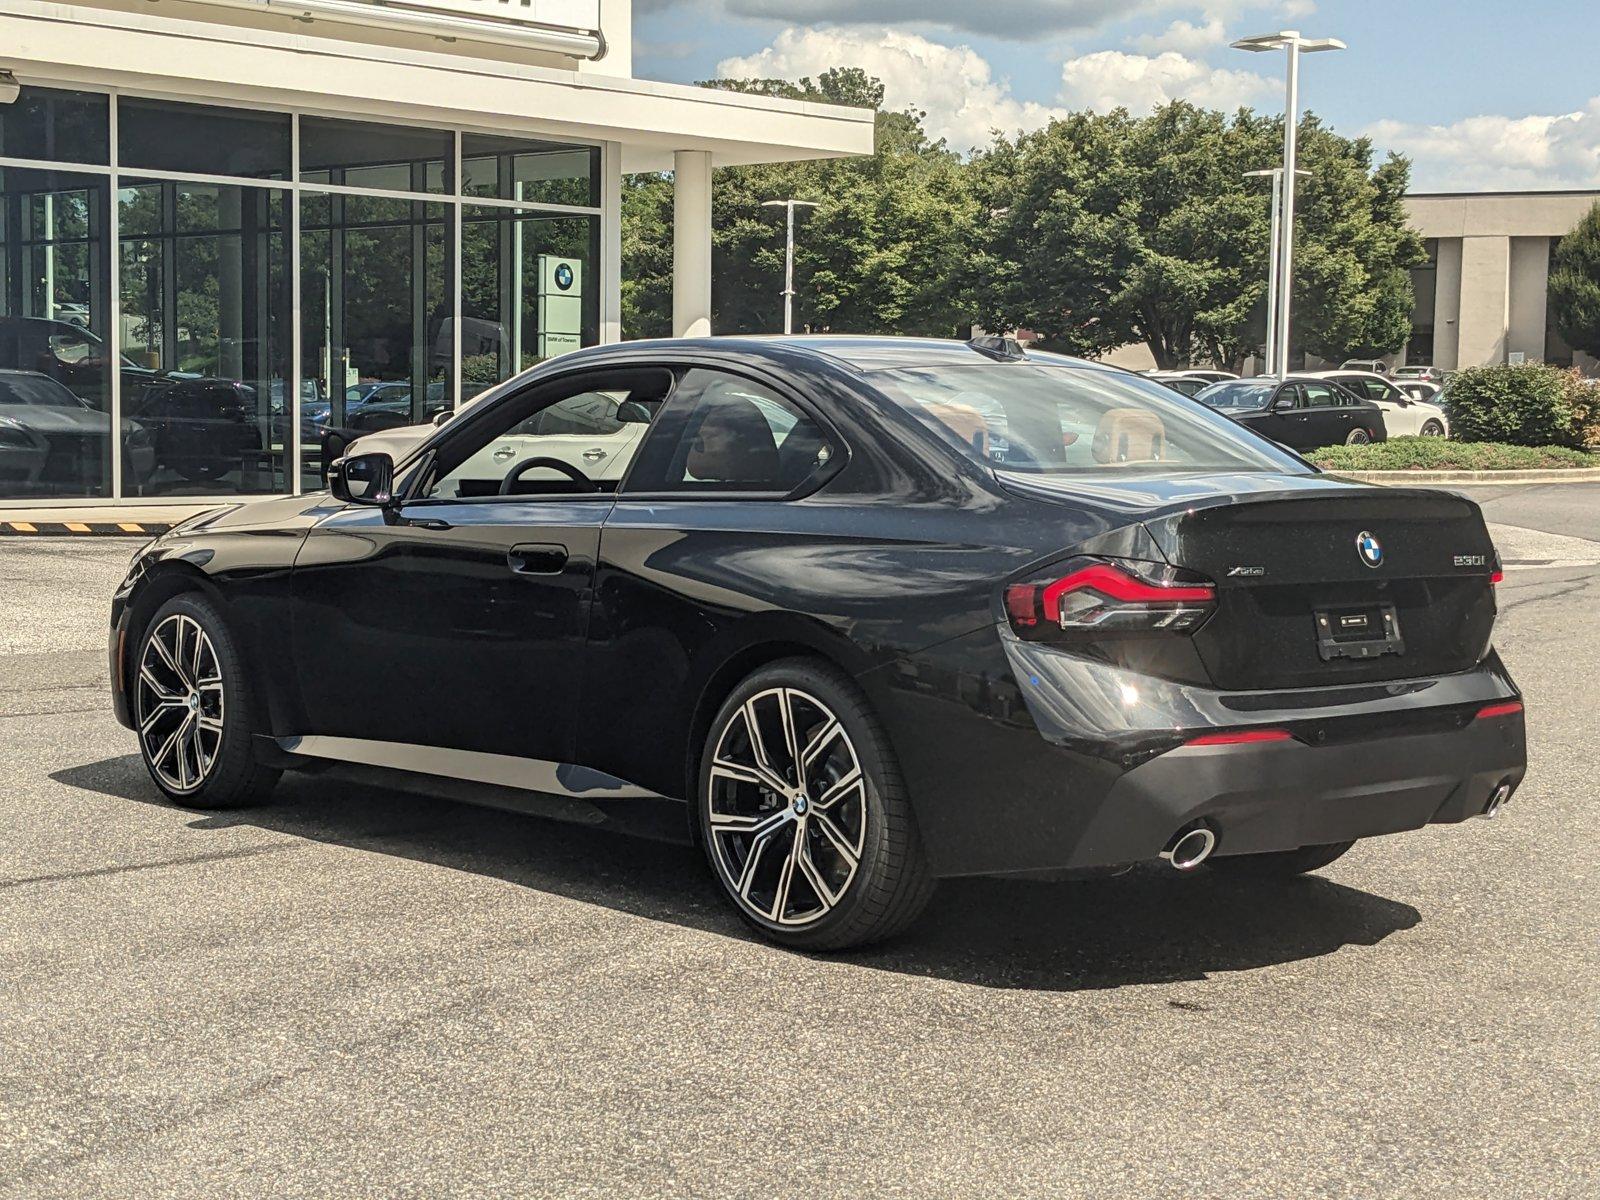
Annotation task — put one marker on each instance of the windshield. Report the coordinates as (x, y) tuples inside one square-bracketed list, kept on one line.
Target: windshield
[(1061, 420), (1238, 394)]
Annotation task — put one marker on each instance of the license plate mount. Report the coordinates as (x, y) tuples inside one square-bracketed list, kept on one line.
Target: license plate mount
[(1358, 631)]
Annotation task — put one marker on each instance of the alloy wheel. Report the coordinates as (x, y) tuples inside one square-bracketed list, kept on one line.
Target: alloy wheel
[(179, 703), (787, 809)]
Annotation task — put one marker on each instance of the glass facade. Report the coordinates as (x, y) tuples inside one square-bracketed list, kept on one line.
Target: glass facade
[(418, 266)]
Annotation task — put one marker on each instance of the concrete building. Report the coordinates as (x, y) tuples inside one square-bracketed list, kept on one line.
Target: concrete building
[(1483, 297), (227, 224)]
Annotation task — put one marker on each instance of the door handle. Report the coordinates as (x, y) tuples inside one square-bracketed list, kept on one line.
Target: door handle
[(537, 559), (593, 455)]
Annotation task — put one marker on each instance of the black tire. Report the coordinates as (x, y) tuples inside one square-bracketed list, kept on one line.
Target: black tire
[(888, 885), (1281, 863), (1432, 429), (1358, 437), (214, 685)]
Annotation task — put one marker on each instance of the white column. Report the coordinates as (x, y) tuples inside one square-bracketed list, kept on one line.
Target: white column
[(1485, 301), (611, 243), (691, 243)]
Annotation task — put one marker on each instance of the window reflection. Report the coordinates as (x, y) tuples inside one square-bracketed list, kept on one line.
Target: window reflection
[(533, 172), (377, 338), (205, 335), (393, 158), (159, 135), (529, 291), (55, 392)]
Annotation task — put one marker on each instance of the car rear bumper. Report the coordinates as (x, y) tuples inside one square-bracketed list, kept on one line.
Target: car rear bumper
[(1261, 797), (1019, 757)]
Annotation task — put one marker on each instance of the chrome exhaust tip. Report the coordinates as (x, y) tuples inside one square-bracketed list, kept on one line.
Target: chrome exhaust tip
[(1190, 848), (1497, 801)]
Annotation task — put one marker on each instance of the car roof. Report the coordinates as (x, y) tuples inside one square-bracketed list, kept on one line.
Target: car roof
[(862, 351)]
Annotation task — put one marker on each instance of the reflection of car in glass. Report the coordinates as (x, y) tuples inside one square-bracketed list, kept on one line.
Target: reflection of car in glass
[(201, 427), (51, 440), (1403, 416), (854, 650), (1300, 412)]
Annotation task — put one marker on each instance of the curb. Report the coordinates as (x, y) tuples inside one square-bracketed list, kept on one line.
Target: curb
[(1552, 475), (83, 528)]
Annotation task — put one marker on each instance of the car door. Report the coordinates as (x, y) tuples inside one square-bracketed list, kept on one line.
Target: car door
[(457, 621), (1328, 422), (1284, 419), (1399, 417)]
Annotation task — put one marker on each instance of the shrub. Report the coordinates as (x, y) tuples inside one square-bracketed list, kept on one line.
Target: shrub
[(1436, 454), (1526, 405)]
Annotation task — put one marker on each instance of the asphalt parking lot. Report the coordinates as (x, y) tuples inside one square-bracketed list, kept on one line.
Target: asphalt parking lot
[(364, 993)]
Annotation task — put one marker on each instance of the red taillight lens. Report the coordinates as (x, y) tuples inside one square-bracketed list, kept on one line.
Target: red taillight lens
[(1240, 737), (1497, 577), (1111, 596), (1508, 708)]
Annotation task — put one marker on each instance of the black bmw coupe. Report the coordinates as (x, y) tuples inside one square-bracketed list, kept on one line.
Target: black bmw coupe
[(857, 615)]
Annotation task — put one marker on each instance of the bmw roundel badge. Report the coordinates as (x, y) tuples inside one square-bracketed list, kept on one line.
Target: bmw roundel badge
[(563, 276), (1370, 549)]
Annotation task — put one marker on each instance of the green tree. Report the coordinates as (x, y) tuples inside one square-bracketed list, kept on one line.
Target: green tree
[(883, 252), (1112, 229), (1575, 285)]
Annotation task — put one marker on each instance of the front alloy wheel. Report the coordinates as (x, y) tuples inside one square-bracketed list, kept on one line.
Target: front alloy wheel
[(180, 704), (803, 813), (194, 709)]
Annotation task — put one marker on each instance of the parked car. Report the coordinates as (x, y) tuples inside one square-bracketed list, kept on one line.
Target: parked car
[(1430, 374), (1404, 416), (1421, 389), (1300, 412), (52, 442), (1188, 383), (1375, 365), (909, 630)]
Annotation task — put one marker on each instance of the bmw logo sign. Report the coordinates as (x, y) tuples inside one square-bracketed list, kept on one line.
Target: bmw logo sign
[(1370, 549), (563, 276)]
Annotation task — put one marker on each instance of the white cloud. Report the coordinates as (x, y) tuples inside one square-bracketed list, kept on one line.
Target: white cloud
[(1110, 79), (953, 84), (1500, 152), (1183, 37), (957, 87)]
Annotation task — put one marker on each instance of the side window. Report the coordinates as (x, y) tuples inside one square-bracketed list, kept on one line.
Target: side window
[(1291, 392), (723, 432), (1319, 395), (586, 433)]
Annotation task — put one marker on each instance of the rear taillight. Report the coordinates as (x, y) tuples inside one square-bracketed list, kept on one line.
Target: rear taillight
[(1109, 596), (1241, 737)]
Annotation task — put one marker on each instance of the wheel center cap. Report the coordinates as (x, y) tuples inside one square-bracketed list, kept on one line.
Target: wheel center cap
[(194, 701), (800, 805)]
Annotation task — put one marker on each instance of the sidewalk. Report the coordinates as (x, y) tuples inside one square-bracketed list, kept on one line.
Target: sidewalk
[(112, 520)]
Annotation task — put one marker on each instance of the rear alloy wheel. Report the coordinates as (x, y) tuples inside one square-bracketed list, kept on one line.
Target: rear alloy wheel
[(193, 709), (1358, 437), (1280, 863), (1432, 429), (803, 814)]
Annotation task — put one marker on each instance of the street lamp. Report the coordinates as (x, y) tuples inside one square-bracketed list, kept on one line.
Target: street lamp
[(788, 257), (1290, 40), (1276, 174)]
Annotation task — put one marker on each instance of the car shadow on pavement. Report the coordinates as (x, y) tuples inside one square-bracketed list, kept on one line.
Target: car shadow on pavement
[(1147, 926)]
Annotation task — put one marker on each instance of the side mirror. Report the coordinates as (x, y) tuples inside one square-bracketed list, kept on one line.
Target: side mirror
[(1283, 403), (631, 412), (439, 418), (362, 479)]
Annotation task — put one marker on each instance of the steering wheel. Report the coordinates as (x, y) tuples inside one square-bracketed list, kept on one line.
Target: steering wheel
[(555, 464)]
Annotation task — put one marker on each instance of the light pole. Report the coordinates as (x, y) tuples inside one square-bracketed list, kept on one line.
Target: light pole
[(1276, 174), (1291, 41), (788, 257)]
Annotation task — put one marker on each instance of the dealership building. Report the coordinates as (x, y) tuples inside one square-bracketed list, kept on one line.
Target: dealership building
[(1483, 296), (228, 225)]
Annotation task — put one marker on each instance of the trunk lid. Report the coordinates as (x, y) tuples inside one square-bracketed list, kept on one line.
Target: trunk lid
[(1319, 581)]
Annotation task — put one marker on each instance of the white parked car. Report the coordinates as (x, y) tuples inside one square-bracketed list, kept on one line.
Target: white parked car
[(1402, 416), (596, 433)]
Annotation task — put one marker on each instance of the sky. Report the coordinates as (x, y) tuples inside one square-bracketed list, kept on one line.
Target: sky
[(1479, 94)]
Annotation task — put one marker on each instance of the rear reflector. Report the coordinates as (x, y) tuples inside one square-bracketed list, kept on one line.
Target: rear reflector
[(1508, 709), (1241, 737)]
